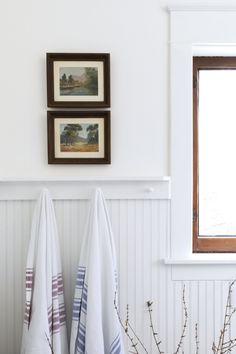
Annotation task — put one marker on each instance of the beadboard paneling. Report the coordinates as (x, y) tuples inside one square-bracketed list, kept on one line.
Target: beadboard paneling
[(141, 231)]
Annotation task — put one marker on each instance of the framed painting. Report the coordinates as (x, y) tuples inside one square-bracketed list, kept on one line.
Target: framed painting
[(78, 80), (78, 137)]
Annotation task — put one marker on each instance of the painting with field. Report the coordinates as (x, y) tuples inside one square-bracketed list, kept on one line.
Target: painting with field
[(83, 137), (78, 81)]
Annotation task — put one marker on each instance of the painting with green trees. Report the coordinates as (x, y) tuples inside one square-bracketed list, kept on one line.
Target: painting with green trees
[(78, 81), (82, 137)]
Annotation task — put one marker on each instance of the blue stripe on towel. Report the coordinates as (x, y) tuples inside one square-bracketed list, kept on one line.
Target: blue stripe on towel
[(79, 308), (80, 277), (84, 298), (80, 299), (116, 346), (76, 310), (80, 340)]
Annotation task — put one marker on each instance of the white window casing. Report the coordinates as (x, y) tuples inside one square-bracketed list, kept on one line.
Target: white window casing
[(193, 31)]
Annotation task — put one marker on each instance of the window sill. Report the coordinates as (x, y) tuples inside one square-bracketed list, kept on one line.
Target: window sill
[(225, 259), (198, 267)]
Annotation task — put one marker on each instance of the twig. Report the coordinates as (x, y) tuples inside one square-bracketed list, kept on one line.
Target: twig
[(154, 333), (225, 346), (136, 336), (133, 331), (179, 346), (125, 328), (49, 343), (196, 338)]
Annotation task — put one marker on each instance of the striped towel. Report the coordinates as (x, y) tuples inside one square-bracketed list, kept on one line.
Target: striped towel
[(95, 326), (44, 329)]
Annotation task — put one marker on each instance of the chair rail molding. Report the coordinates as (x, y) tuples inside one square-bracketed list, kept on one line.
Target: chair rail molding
[(72, 188)]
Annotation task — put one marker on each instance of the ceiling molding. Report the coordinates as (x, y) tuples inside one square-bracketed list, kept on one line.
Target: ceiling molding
[(200, 8)]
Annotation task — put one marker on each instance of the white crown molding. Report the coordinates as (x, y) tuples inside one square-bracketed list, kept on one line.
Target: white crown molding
[(200, 8)]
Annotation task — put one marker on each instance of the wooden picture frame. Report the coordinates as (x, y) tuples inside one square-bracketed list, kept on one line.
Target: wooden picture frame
[(78, 137), (78, 80)]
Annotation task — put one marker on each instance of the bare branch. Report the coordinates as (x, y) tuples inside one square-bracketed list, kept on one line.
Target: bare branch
[(223, 346), (196, 338), (154, 333), (49, 343), (125, 327), (179, 346)]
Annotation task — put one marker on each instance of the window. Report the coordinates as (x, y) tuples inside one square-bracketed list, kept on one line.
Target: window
[(188, 39), (214, 154)]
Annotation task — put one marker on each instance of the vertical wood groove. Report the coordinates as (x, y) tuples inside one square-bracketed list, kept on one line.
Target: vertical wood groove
[(141, 233)]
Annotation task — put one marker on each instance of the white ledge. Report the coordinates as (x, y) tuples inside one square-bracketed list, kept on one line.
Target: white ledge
[(84, 179), (203, 261), (80, 188), (201, 8)]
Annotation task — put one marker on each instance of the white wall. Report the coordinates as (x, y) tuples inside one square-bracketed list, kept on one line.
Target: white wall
[(135, 34)]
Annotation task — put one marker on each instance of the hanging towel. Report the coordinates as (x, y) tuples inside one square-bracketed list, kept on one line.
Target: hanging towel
[(95, 326), (44, 329)]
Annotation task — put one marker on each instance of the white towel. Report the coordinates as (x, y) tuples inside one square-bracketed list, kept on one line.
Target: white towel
[(95, 326), (44, 330)]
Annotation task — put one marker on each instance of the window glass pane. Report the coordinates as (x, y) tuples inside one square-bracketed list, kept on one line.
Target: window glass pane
[(217, 152)]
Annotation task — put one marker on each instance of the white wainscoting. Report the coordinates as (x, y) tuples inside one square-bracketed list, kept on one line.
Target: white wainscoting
[(139, 212)]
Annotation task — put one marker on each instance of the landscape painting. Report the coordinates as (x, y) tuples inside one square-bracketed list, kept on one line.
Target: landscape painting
[(81, 137), (78, 81)]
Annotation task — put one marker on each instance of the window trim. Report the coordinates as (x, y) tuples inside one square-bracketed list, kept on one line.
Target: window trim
[(203, 243), (183, 44)]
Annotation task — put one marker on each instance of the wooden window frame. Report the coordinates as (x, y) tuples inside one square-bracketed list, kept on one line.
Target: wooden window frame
[(202, 244)]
